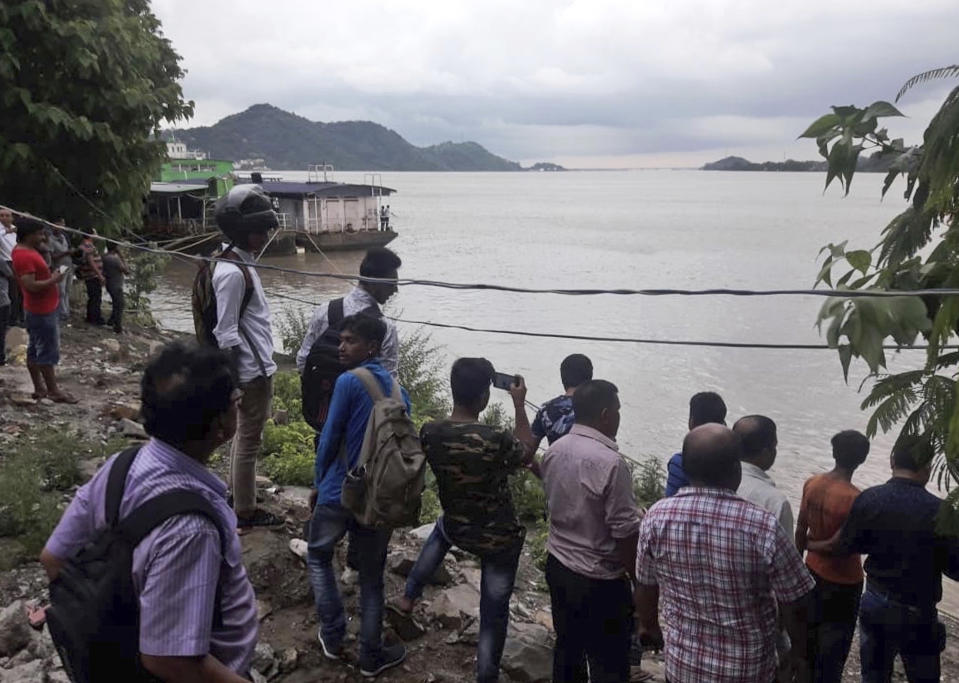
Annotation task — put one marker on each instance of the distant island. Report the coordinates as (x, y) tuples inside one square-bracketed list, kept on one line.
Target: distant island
[(282, 140), (545, 166), (873, 163)]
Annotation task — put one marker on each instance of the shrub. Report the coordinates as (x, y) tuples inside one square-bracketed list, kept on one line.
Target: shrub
[(422, 374), (649, 478), (292, 326)]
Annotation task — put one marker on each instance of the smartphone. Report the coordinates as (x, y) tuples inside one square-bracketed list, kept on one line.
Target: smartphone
[(504, 381)]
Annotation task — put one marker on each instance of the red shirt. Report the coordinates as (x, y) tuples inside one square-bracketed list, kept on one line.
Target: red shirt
[(26, 261)]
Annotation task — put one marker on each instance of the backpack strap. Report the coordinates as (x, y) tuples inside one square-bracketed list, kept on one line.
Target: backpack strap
[(116, 482), (370, 383), (335, 314), (151, 514), (229, 255)]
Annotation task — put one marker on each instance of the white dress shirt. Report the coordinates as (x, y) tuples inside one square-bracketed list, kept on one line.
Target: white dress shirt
[(759, 489), (357, 300), (8, 240), (229, 286)]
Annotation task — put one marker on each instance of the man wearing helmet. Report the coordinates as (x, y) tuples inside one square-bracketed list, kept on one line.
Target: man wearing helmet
[(245, 215)]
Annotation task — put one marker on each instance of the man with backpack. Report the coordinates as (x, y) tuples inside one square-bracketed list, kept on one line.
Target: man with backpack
[(152, 535), (344, 444), (472, 462), (231, 311), (365, 297)]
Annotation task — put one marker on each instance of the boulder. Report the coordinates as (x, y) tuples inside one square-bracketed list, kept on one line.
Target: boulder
[(288, 659), (405, 625), (15, 632), (132, 429), (111, 345), (264, 659), (454, 606), (299, 548), (528, 654), (421, 533), (31, 672), (401, 562)]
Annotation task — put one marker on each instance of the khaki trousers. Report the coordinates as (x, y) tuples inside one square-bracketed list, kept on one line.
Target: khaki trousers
[(253, 413)]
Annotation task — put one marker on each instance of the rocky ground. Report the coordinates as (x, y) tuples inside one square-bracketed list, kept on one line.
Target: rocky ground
[(103, 370)]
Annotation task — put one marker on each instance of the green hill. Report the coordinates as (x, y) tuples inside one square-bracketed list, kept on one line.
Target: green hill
[(287, 141)]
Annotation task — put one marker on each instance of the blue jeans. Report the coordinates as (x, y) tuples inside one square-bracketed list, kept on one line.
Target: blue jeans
[(888, 628), (496, 587), (329, 524), (43, 332)]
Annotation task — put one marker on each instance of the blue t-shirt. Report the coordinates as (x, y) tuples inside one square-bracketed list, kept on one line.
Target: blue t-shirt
[(675, 475), (554, 419), (350, 408)]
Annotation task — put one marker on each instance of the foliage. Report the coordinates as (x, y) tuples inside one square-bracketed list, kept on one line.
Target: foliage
[(33, 479), (649, 480), (145, 268), (422, 374), (84, 88), (919, 249), (292, 326)]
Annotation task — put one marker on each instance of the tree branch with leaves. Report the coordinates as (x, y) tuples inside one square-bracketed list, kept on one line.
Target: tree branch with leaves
[(917, 250)]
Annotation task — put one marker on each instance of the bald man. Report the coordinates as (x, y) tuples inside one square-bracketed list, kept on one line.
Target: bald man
[(708, 559)]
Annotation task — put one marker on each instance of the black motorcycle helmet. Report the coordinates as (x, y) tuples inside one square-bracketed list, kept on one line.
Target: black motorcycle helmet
[(243, 210)]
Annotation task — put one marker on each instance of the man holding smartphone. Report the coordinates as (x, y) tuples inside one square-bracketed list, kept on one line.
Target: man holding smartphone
[(41, 297)]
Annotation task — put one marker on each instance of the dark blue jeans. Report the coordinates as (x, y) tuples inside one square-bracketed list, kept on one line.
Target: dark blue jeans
[(888, 628), (832, 623), (329, 524), (496, 587)]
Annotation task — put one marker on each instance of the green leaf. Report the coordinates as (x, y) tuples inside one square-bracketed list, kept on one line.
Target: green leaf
[(860, 259), (821, 126), (880, 108), (845, 356)]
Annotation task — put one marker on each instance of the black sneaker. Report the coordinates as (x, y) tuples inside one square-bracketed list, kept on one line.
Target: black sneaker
[(387, 658), (329, 651), (259, 518)]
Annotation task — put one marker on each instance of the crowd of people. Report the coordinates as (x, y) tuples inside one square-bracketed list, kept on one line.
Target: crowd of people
[(713, 575)]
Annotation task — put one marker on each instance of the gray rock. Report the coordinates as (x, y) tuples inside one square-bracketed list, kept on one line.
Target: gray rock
[(14, 629), (422, 532), (111, 345), (288, 659), (405, 625), (281, 417), (32, 672), (132, 429), (528, 655), (264, 659), (401, 562), (59, 676), (257, 677), (454, 606)]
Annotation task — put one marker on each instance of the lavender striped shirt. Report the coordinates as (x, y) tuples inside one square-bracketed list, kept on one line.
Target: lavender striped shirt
[(176, 567)]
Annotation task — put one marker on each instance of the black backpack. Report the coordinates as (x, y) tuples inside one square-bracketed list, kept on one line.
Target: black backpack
[(94, 611), (323, 366)]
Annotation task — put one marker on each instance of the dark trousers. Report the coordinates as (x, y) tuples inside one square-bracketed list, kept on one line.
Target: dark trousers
[(116, 299), (832, 623), (16, 302), (4, 321), (888, 628), (94, 301), (592, 617)]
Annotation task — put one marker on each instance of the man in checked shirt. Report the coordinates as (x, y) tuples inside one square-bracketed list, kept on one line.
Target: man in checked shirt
[(717, 566)]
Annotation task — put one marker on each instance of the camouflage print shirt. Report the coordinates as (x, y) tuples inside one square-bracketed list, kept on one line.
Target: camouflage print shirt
[(472, 462)]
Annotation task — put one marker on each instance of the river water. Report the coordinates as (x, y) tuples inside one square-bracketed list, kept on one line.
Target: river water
[(633, 229)]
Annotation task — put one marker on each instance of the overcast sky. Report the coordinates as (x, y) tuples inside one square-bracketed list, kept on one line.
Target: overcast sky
[(591, 83)]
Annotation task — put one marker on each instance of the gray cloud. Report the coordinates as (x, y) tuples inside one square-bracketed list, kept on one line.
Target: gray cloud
[(619, 81)]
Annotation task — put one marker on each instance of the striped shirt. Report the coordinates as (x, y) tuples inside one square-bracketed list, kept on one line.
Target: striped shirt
[(721, 564), (177, 566)]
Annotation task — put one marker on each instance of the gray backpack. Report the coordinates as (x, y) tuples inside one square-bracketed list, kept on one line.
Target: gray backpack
[(385, 488)]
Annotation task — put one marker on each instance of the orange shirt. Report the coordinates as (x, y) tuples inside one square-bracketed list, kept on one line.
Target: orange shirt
[(826, 502)]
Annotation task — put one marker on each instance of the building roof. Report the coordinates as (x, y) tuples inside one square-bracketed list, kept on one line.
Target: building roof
[(289, 189), (176, 188)]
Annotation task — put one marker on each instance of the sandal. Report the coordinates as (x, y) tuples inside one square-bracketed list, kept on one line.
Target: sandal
[(37, 395), (63, 398)]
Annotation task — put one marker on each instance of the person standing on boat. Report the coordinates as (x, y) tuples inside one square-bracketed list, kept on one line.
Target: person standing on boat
[(384, 217), (244, 328)]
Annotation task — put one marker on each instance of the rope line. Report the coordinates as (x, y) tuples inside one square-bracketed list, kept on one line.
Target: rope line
[(827, 293)]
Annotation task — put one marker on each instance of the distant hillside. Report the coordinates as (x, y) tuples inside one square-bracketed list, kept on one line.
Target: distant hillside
[(287, 141), (873, 163)]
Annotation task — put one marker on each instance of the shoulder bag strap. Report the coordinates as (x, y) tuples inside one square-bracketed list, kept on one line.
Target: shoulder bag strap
[(227, 255)]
